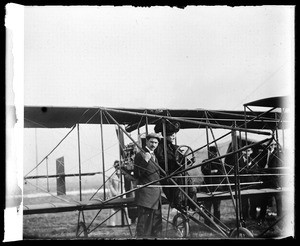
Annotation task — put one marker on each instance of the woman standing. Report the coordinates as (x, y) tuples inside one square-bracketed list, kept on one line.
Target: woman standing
[(114, 185)]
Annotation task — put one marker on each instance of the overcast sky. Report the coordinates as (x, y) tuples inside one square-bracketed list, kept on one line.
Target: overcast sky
[(158, 57)]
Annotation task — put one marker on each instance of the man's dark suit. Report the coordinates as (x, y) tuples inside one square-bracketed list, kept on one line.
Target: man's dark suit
[(148, 199)]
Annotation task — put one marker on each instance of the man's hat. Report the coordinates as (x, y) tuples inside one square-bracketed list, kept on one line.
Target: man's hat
[(153, 135), (171, 127), (116, 163)]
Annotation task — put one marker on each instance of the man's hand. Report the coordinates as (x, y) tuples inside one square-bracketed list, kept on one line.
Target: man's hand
[(147, 156)]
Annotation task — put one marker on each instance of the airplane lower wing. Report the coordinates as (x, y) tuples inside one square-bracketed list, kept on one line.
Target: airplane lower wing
[(62, 175), (58, 207), (129, 202)]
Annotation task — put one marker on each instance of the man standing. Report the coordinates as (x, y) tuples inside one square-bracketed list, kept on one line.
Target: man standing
[(247, 166), (274, 160), (148, 199), (209, 169)]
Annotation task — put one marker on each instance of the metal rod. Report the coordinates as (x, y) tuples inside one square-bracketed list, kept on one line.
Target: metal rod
[(36, 157), (282, 130), (207, 143), (207, 185), (79, 163), (246, 136), (165, 145), (236, 167), (147, 123), (276, 133), (238, 144), (241, 175), (102, 149), (207, 140), (47, 174), (121, 177)]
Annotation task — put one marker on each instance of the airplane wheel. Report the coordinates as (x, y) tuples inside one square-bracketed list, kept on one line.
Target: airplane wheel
[(81, 230), (241, 233), (184, 153), (181, 225)]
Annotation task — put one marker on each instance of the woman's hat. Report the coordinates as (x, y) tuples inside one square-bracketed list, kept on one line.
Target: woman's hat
[(171, 127)]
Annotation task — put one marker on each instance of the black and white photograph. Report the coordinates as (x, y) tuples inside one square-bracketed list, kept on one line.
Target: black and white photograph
[(149, 123)]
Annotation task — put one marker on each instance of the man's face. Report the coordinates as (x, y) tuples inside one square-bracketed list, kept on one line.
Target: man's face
[(248, 152), (117, 167), (152, 143)]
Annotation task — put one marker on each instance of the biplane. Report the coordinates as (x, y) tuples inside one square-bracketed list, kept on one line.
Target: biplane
[(240, 127)]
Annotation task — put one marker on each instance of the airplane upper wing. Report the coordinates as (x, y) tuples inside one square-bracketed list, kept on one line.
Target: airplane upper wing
[(276, 102), (66, 117)]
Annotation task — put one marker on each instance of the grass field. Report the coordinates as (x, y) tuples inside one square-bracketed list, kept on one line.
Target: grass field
[(64, 225)]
